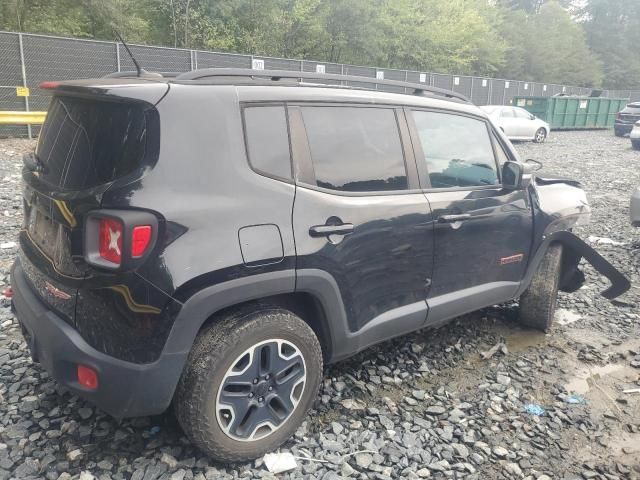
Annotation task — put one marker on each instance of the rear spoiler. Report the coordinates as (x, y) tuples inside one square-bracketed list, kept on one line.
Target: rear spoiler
[(149, 90)]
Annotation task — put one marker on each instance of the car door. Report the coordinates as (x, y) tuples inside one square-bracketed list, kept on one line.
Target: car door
[(482, 230), (360, 217), (508, 122), (526, 126)]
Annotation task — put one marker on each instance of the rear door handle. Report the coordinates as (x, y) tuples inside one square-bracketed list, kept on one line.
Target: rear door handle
[(454, 218), (326, 230)]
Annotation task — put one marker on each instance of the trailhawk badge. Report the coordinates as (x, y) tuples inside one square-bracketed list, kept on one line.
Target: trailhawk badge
[(56, 292)]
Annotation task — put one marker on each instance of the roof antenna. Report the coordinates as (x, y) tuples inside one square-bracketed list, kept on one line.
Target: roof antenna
[(141, 71)]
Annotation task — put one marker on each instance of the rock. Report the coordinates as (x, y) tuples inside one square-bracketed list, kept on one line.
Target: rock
[(178, 475), (435, 410), (500, 452), (513, 469), (346, 470), (336, 428), (74, 455), (339, 386), (363, 460), (440, 466), (169, 460)]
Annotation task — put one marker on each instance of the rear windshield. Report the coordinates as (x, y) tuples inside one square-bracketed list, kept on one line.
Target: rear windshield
[(84, 143)]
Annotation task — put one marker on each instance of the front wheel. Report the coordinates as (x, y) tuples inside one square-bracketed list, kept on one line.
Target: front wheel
[(249, 382), (538, 302), (540, 136)]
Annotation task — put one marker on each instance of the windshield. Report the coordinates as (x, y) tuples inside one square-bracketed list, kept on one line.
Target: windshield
[(85, 143)]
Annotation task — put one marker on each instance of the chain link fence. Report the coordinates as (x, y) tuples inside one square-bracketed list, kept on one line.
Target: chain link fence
[(28, 59)]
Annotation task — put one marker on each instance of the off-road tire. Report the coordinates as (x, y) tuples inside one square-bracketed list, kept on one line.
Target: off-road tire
[(538, 302), (214, 350), (540, 136)]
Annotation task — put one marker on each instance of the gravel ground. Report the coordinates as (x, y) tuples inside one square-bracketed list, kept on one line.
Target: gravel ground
[(424, 406)]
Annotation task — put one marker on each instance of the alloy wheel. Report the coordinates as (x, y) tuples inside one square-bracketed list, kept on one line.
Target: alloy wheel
[(261, 390)]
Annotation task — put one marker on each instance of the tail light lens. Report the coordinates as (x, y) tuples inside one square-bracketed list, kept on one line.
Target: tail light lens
[(119, 239), (140, 240), (111, 233)]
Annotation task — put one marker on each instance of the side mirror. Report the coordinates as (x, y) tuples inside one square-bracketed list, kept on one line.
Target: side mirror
[(532, 165), (512, 173), (532, 117)]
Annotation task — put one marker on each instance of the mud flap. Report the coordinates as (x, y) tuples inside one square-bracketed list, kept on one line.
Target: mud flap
[(619, 283)]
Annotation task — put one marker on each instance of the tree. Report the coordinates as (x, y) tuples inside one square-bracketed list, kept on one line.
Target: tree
[(613, 32), (549, 47)]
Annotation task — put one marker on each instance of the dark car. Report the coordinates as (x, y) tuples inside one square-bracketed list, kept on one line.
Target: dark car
[(213, 239), (625, 119)]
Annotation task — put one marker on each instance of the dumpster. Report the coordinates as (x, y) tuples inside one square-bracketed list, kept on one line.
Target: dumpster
[(570, 113)]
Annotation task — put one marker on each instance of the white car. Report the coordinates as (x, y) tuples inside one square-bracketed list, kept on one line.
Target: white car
[(635, 136), (517, 123)]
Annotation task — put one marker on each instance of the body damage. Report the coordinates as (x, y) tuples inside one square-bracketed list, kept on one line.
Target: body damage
[(559, 205)]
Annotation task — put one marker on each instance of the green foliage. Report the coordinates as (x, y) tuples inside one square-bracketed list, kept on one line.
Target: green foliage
[(613, 31), (537, 40), (549, 47)]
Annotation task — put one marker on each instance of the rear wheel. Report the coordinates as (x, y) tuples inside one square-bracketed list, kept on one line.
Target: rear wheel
[(249, 383), (540, 136), (538, 302)]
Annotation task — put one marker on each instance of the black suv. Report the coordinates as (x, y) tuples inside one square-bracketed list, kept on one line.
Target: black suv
[(212, 239), (626, 118)]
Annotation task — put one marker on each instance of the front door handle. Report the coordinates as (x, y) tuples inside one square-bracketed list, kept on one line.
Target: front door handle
[(454, 218), (326, 230)]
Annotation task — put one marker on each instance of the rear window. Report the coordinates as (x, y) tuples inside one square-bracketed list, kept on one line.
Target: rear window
[(267, 140), (84, 143)]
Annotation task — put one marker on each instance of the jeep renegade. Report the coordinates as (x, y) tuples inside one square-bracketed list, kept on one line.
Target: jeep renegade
[(212, 239)]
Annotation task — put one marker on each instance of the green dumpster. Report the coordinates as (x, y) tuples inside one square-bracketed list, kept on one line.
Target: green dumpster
[(570, 113)]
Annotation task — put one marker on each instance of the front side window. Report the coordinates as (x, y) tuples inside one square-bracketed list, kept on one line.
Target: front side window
[(267, 140), (520, 113), (457, 150), (507, 113), (355, 149)]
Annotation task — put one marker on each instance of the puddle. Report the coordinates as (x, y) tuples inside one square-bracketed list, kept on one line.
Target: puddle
[(519, 340), (584, 379)]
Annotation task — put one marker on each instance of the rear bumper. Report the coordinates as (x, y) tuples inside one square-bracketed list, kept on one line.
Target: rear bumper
[(124, 390), (623, 128)]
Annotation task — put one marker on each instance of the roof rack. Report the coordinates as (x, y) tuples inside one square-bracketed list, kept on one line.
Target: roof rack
[(277, 75), (151, 74)]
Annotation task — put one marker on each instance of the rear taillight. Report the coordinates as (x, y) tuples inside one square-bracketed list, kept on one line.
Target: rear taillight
[(119, 239), (140, 240), (49, 85), (110, 238)]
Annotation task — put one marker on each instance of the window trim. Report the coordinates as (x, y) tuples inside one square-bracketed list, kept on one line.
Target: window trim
[(304, 172), (423, 171), (246, 105)]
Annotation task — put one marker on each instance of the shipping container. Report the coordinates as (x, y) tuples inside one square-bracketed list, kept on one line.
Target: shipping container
[(570, 113)]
